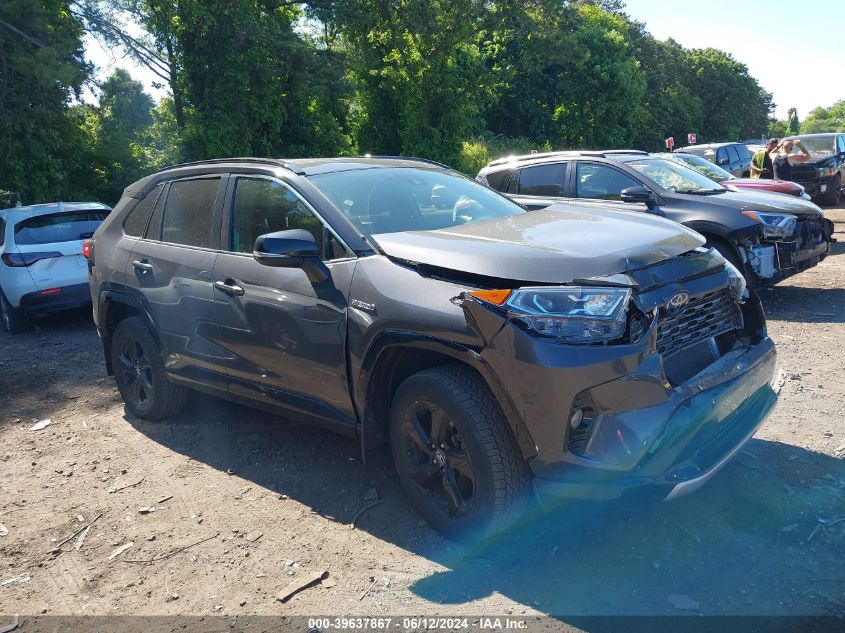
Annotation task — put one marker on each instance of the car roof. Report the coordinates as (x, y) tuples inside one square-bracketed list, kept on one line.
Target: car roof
[(707, 145), (16, 213), (550, 157), (817, 135), (300, 166)]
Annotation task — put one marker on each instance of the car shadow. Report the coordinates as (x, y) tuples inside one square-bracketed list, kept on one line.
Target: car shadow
[(750, 542)]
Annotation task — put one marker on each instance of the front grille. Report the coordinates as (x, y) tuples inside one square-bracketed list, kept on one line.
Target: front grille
[(705, 316), (804, 173)]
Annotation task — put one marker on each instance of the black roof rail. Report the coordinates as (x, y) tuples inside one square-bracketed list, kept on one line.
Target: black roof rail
[(246, 159)]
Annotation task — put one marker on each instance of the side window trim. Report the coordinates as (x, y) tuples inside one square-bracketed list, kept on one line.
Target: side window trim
[(225, 233), (216, 212)]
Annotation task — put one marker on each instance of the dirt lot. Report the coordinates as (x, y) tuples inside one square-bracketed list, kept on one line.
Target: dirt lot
[(272, 501)]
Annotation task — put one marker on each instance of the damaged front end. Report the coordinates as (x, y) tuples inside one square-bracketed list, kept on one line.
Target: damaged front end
[(654, 376), (789, 245)]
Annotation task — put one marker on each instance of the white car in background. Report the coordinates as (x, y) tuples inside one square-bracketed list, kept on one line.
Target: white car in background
[(42, 268)]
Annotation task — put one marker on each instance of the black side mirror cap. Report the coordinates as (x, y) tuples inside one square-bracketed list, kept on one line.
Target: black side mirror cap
[(639, 194), (295, 248)]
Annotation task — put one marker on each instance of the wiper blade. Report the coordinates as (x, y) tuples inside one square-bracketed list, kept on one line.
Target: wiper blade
[(701, 192)]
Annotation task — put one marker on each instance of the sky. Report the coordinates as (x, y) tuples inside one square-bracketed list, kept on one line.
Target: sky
[(794, 48)]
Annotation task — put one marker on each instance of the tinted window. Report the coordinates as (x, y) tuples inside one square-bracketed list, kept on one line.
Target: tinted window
[(744, 153), (498, 180), (722, 156), (542, 180), (732, 155), (841, 147), (59, 227), (136, 221), (601, 181), (392, 199), (266, 206), (188, 211), (2, 231)]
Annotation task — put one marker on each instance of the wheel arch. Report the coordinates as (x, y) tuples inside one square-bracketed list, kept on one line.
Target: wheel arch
[(394, 356), (115, 307)]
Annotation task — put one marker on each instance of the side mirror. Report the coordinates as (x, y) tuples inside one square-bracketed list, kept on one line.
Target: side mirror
[(723, 161), (295, 248), (639, 194)]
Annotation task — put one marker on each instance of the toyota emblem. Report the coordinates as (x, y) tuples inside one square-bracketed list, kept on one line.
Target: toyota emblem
[(677, 303)]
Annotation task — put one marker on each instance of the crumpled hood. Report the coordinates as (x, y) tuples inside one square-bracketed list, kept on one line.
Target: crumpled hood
[(762, 201), (558, 244)]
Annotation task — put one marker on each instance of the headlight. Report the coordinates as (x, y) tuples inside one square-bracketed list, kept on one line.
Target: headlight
[(775, 224), (571, 314), (736, 281), (825, 172)]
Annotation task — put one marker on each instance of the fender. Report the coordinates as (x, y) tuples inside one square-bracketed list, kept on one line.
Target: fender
[(373, 365), (108, 298)]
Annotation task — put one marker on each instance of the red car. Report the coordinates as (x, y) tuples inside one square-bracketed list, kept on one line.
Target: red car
[(729, 181)]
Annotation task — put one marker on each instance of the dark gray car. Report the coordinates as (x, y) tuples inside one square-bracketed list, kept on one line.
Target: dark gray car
[(768, 237), (578, 353), (732, 157)]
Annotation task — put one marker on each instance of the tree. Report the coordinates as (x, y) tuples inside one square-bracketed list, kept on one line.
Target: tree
[(117, 128), (830, 119), (794, 124), (43, 153)]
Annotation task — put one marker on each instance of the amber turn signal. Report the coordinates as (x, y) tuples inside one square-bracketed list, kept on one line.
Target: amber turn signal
[(496, 297)]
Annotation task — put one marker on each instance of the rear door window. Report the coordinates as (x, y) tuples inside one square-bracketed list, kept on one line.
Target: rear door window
[(732, 154), (542, 180), (188, 212), (136, 222), (70, 226), (743, 152), (498, 180), (600, 181)]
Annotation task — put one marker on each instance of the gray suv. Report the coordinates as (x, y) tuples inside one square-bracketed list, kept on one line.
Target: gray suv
[(575, 352)]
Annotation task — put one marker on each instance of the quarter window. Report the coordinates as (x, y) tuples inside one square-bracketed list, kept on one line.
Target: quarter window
[(265, 206), (2, 231), (600, 181), (188, 212), (542, 180), (136, 222)]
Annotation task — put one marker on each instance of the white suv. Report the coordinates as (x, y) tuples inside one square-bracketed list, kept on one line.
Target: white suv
[(42, 268)]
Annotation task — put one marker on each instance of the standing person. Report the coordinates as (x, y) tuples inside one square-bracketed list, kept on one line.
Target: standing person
[(782, 160), (761, 164)]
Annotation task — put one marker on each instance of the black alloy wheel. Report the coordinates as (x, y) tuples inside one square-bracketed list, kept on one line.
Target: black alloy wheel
[(135, 373), (438, 462)]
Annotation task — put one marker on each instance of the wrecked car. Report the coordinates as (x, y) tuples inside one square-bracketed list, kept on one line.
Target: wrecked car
[(768, 238), (497, 353)]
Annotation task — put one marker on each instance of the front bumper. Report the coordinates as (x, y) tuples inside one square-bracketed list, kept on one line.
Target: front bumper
[(677, 444), (36, 303)]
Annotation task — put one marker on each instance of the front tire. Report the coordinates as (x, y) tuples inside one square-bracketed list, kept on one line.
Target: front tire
[(456, 455), (139, 371), (833, 196), (13, 321)]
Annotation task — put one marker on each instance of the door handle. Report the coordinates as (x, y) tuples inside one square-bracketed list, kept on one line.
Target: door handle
[(143, 266), (229, 288)]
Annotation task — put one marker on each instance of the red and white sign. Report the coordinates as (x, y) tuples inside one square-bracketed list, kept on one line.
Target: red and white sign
[(691, 138), (670, 142)]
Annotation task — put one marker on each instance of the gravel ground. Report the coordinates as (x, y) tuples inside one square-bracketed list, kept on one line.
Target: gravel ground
[(245, 502)]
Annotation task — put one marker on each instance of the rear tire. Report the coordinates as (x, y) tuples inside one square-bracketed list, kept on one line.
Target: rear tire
[(456, 455), (13, 321), (139, 371)]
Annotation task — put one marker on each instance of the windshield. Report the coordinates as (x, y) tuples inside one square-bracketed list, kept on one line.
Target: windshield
[(393, 199), (59, 227), (703, 167), (675, 177), (822, 145)]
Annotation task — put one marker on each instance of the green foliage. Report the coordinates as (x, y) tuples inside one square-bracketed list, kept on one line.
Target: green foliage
[(777, 129), (794, 123), (459, 81), (830, 119), (43, 153)]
